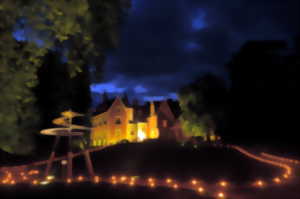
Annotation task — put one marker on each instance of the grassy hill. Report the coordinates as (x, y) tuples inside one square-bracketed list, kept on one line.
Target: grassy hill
[(162, 160)]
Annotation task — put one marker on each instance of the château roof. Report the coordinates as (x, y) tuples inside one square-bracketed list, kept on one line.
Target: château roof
[(142, 112)]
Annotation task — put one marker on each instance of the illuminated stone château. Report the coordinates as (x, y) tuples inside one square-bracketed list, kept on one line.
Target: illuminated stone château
[(120, 122)]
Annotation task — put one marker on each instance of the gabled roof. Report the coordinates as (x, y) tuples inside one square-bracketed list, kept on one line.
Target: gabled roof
[(169, 108)]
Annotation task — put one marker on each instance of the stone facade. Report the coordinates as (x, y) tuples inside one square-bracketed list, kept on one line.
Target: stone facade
[(122, 122)]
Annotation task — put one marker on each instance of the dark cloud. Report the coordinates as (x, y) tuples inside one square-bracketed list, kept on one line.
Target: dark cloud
[(166, 44)]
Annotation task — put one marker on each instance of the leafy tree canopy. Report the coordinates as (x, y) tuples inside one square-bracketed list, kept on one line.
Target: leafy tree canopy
[(29, 29), (203, 105)]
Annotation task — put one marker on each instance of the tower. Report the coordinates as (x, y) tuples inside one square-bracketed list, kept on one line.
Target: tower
[(152, 109), (152, 123)]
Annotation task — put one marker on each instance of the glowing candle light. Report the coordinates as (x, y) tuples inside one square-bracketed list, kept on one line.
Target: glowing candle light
[(169, 180), (194, 182), (150, 179), (123, 178), (152, 185), (286, 176), (69, 180), (277, 180), (132, 183), (96, 179), (223, 183), (80, 178), (50, 177), (221, 195), (175, 186), (35, 182), (259, 183), (200, 189)]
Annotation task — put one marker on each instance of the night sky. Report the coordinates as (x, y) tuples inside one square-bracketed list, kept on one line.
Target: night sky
[(165, 44)]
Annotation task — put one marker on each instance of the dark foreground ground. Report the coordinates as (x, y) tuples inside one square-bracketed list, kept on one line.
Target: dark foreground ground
[(90, 191), (158, 160)]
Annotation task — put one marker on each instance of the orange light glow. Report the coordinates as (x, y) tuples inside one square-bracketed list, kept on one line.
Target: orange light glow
[(286, 176), (175, 186), (123, 178), (13, 182), (33, 172), (221, 195), (50, 177), (80, 178), (69, 180), (35, 182), (277, 180), (132, 178), (223, 184), (150, 179), (259, 183), (200, 189), (113, 177), (131, 184), (96, 179), (152, 184), (194, 182), (169, 180)]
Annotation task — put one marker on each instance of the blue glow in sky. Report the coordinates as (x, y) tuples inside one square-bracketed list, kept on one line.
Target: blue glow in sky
[(109, 87), (192, 46), (140, 89), (160, 98), (134, 92), (198, 22)]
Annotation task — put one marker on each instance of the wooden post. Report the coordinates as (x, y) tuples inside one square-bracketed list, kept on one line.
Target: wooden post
[(89, 164), (70, 163), (70, 155), (52, 156)]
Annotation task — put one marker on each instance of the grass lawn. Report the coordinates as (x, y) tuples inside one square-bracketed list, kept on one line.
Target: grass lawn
[(163, 160)]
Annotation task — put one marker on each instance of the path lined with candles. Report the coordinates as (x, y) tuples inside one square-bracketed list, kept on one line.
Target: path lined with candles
[(219, 189), (281, 159)]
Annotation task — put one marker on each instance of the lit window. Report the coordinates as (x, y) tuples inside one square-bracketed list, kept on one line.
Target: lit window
[(118, 121)]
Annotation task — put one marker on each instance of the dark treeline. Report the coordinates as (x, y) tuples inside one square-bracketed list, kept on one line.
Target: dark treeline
[(260, 105), (264, 99)]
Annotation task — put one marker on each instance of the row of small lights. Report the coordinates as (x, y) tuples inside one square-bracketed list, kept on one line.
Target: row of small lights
[(151, 182), (277, 180), (131, 181)]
